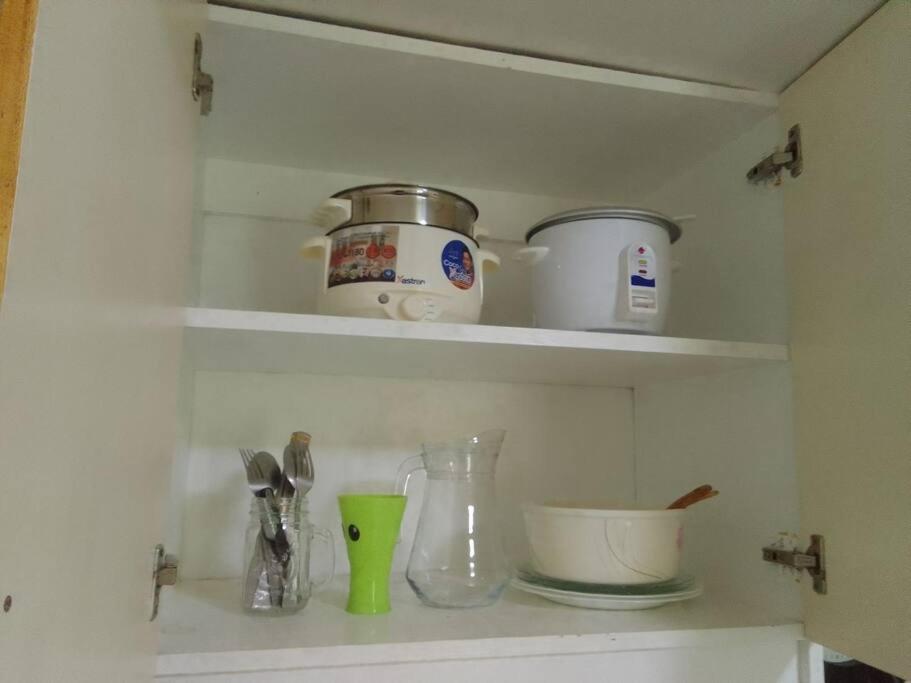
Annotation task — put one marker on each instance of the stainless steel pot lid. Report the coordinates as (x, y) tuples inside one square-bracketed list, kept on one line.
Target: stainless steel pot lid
[(403, 203), (594, 212)]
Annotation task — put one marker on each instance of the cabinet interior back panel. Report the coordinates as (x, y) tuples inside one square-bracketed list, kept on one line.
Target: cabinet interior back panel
[(257, 216), (563, 442)]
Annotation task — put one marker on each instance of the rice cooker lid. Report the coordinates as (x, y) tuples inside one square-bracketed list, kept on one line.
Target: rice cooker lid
[(595, 212)]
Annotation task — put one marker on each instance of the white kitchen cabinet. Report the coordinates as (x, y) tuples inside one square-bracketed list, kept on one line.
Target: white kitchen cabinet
[(115, 196)]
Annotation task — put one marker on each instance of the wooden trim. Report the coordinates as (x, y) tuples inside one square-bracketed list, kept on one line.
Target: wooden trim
[(17, 29)]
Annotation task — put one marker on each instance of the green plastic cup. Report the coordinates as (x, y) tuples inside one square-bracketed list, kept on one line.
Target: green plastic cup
[(370, 525)]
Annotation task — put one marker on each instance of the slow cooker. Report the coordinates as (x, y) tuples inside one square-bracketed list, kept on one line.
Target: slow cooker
[(406, 252), (605, 268)]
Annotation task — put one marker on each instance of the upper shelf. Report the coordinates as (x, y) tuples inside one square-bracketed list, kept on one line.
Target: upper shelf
[(297, 93), (283, 342)]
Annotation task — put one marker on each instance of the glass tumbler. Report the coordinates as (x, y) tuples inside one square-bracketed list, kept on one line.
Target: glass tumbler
[(277, 556)]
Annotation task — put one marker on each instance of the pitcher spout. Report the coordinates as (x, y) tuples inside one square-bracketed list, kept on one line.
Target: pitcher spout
[(474, 454)]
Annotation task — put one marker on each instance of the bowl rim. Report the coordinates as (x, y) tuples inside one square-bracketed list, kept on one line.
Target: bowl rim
[(563, 510)]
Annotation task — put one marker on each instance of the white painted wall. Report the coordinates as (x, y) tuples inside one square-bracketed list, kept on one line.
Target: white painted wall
[(562, 442)]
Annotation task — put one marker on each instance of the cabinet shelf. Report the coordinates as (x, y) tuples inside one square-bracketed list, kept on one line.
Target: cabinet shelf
[(218, 339), (204, 631), (298, 93)]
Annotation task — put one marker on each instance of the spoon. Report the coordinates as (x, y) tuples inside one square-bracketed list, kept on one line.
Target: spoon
[(271, 474), (263, 477), (697, 495)]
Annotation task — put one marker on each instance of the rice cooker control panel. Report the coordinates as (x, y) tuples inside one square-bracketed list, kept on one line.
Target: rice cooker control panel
[(642, 282)]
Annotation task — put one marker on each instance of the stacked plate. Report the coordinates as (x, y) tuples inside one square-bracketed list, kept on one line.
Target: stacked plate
[(608, 596)]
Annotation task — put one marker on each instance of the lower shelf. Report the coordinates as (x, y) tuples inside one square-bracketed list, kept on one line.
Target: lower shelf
[(204, 631)]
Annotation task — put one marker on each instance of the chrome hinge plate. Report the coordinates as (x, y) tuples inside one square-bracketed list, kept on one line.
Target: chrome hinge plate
[(813, 559), (203, 84), (164, 573), (790, 159)]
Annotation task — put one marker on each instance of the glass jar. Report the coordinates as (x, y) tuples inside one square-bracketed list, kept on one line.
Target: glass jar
[(277, 556)]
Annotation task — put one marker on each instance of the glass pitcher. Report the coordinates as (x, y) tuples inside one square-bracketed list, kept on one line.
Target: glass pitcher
[(457, 558)]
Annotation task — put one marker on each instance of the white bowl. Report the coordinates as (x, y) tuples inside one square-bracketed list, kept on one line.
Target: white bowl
[(605, 546)]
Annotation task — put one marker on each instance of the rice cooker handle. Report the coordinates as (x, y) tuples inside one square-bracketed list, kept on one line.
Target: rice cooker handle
[(489, 260), (318, 248), (530, 255)]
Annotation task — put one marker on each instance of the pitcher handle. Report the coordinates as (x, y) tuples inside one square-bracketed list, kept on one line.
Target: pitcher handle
[(406, 469), (326, 536)]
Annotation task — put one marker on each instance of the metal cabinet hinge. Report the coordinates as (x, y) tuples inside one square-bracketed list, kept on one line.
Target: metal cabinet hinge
[(813, 560), (791, 159), (203, 85), (164, 573)]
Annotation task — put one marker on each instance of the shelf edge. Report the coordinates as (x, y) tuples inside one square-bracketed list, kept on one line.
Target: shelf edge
[(485, 648), (299, 323)]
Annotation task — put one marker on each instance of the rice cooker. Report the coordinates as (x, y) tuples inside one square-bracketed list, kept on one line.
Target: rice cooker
[(604, 268), (405, 252)]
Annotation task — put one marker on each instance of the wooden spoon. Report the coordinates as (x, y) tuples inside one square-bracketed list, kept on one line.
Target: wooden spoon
[(697, 495)]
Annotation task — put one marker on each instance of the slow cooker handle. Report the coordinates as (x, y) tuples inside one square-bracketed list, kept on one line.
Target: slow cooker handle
[(332, 213), (489, 261), (318, 248)]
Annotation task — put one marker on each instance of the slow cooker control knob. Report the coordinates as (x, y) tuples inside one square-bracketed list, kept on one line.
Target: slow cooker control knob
[(413, 307)]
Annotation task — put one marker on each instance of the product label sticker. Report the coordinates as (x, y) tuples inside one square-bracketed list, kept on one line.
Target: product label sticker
[(458, 264), (643, 289), (365, 254)]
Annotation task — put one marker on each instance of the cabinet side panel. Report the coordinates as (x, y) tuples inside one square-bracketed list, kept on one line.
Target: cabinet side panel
[(848, 228), (730, 283), (732, 431)]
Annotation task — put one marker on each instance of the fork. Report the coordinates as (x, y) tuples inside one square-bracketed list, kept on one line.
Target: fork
[(274, 550)]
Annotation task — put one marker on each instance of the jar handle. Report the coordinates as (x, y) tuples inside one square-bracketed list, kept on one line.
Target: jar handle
[(326, 536)]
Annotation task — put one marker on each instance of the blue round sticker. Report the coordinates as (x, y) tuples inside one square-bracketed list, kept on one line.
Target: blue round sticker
[(458, 264)]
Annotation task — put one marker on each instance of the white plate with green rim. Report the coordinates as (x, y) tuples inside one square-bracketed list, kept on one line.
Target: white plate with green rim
[(606, 596)]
